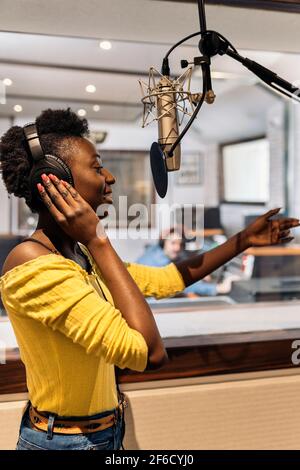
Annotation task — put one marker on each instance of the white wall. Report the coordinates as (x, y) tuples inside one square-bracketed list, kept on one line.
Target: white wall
[(4, 199)]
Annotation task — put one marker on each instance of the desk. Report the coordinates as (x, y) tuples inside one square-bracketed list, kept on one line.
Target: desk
[(266, 289), (200, 342), (289, 250), (274, 261)]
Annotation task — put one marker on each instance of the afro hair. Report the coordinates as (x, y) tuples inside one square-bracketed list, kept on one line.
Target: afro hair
[(57, 129)]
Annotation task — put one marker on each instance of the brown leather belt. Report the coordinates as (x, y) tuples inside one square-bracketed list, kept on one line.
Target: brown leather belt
[(74, 427)]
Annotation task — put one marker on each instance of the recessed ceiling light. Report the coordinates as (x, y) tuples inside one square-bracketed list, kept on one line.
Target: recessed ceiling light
[(106, 45), (81, 112), (90, 88), (18, 108), (7, 81), (96, 108)]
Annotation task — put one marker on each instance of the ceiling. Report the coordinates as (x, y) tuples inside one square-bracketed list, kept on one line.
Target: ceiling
[(274, 5), (51, 66), (154, 21)]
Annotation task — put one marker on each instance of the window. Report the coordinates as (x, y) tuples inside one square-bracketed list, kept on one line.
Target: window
[(246, 168)]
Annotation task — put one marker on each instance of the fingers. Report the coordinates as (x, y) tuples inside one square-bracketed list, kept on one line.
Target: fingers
[(54, 194), (286, 240), (57, 198), (48, 202), (288, 223), (69, 193), (275, 232), (72, 190), (280, 230), (284, 223), (284, 233), (272, 212)]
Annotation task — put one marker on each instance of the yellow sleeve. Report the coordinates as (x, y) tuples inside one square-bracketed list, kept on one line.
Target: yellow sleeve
[(58, 294), (152, 281), (156, 282)]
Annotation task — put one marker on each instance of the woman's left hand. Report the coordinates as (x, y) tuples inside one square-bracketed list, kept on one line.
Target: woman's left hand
[(264, 232)]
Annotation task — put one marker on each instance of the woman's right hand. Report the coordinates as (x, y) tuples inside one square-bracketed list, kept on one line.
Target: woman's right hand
[(70, 211)]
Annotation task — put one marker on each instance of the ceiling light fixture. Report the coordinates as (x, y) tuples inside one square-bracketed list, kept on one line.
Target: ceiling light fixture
[(81, 112), (105, 45), (90, 88), (18, 108), (96, 108), (7, 82)]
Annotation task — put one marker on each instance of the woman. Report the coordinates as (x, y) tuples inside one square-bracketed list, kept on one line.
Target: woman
[(77, 310)]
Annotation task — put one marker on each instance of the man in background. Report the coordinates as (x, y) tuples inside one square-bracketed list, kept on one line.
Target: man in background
[(171, 247)]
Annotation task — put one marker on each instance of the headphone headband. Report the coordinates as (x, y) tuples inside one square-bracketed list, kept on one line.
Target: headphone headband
[(33, 140), (43, 163)]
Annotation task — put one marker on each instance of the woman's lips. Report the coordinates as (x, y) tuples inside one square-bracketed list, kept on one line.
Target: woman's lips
[(108, 195)]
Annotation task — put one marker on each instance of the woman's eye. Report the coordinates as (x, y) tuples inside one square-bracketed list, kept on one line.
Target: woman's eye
[(99, 168)]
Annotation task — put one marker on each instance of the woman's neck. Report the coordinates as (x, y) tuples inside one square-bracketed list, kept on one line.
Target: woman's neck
[(47, 228)]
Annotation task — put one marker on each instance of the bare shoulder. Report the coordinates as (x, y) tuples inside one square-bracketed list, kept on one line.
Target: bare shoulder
[(21, 253)]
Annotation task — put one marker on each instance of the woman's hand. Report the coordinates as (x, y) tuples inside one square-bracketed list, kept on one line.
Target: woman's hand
[(264, 232), (70, 211)]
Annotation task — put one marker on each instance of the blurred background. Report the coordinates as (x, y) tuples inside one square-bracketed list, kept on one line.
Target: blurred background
[(232, 338), (240, 157)]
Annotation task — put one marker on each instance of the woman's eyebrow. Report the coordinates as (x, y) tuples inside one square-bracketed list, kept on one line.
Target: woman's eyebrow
[(98, 158)]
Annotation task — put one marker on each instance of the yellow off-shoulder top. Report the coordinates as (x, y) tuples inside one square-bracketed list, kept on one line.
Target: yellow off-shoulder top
[(69, 336)]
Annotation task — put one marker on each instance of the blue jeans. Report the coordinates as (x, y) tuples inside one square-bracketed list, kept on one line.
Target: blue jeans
[(108, 439)]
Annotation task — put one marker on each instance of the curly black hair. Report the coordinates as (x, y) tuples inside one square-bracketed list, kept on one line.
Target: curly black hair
[(57, 129)]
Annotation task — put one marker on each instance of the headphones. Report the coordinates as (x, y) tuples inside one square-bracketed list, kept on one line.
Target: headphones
[(162, 239), (43, 163)]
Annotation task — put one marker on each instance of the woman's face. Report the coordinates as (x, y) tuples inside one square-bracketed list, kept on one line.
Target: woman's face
[(91, 179)]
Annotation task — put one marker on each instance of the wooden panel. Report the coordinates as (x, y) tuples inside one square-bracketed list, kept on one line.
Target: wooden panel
[(263, 413), (192, 357)]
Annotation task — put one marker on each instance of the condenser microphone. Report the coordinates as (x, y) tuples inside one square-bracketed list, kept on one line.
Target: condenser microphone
[(161, 159), (168, 129), (168, 98), (172, 102)]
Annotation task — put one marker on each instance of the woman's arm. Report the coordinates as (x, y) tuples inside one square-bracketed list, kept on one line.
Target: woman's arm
[(80, 222), (261, 232), (128, 298), (197, 267)]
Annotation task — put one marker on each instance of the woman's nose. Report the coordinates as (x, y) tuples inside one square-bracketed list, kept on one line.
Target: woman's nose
[(109, 177)]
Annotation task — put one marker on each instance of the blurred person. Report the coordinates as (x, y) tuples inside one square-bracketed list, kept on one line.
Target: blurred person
[(171, 247)]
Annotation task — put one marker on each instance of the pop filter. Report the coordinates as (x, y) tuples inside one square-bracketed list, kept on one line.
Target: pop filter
[(159, 170)]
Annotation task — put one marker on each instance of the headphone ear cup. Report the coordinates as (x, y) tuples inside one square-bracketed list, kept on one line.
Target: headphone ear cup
[(49, 164)]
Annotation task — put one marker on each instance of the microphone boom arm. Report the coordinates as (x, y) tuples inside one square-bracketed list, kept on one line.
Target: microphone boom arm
[(267, 76), (213, 43)]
